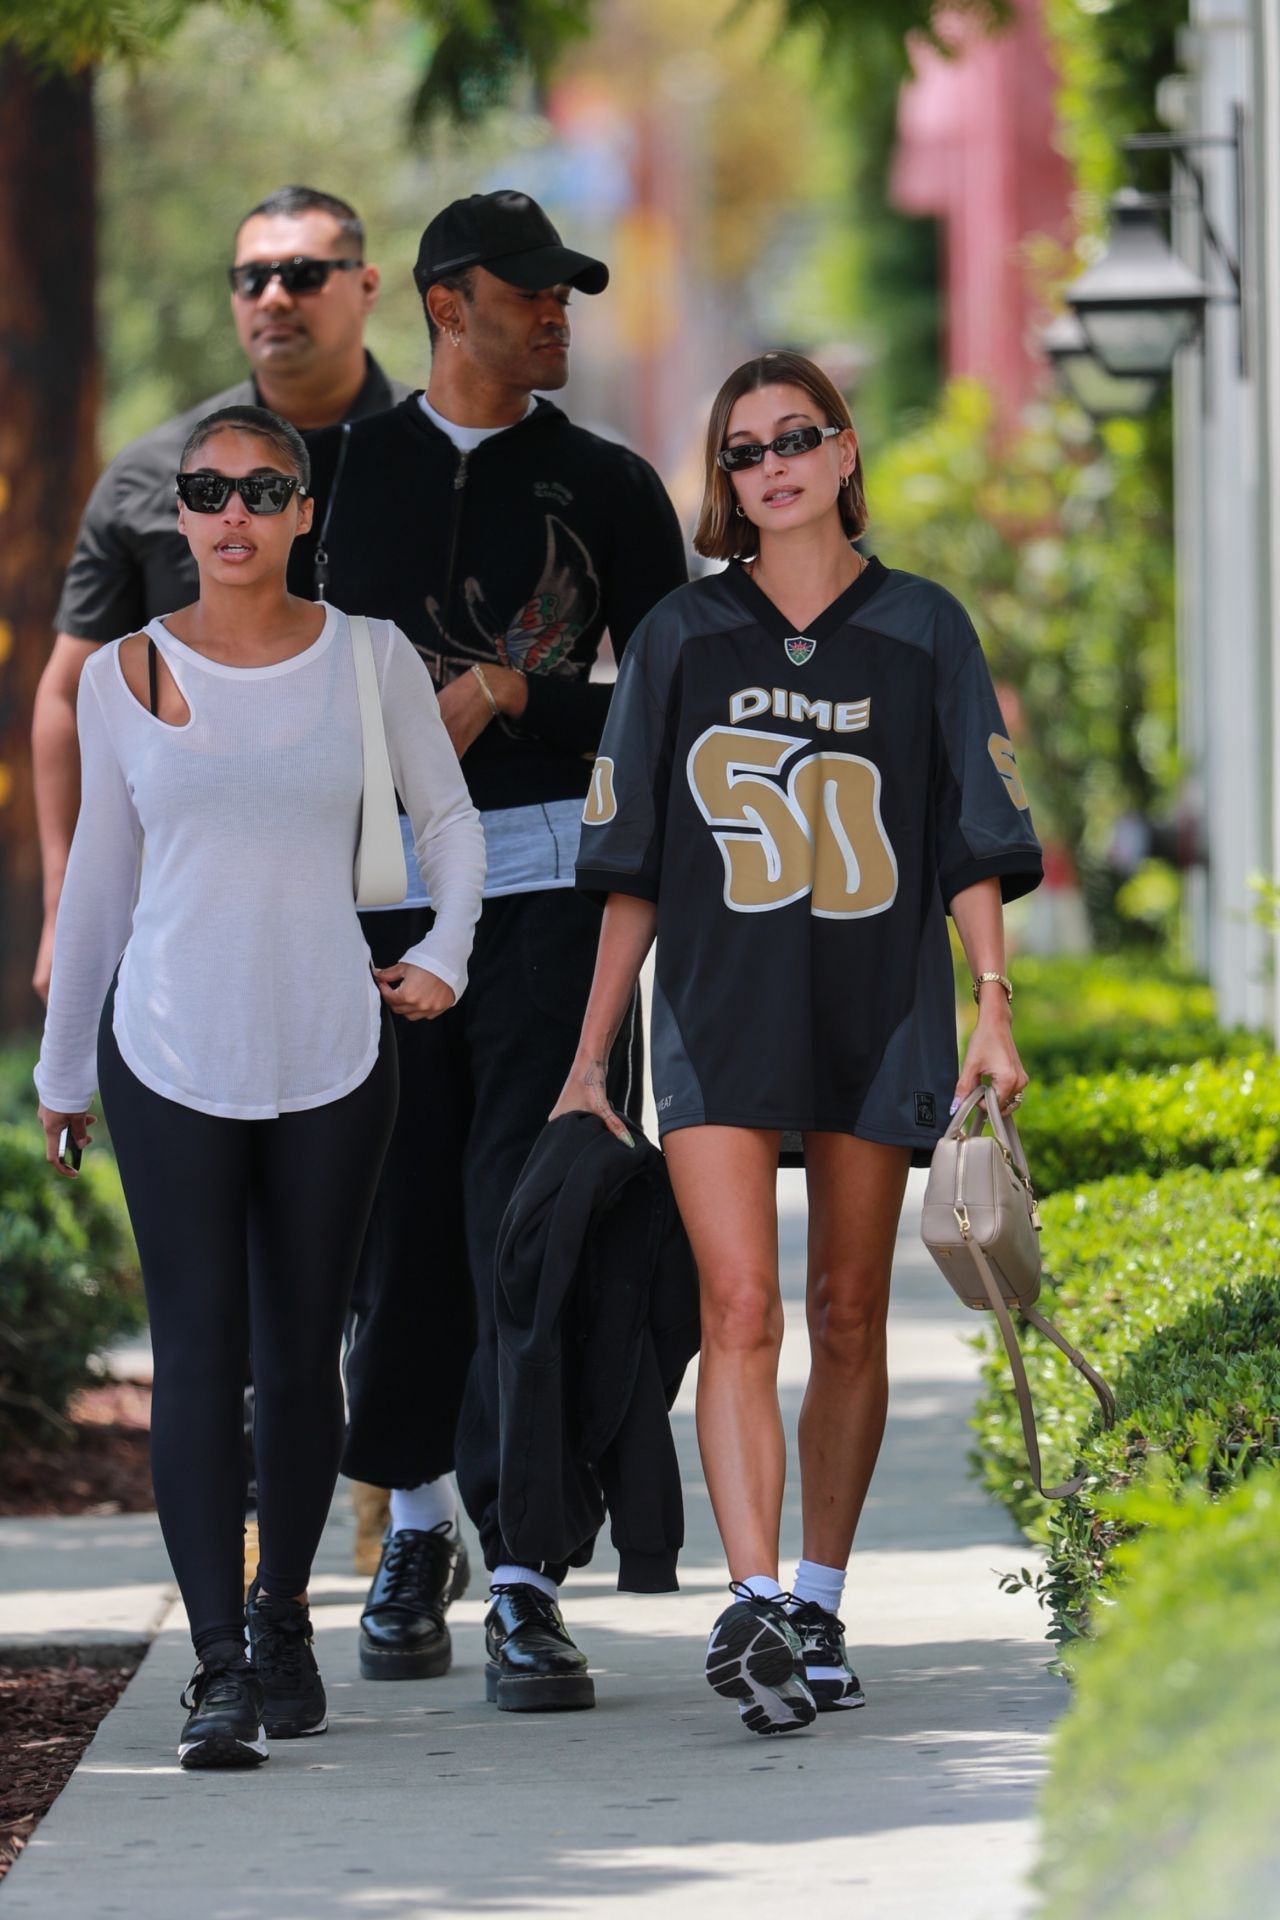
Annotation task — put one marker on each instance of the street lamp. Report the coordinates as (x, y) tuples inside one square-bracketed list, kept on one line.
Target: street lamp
[(1139, 303), (1102, 394)]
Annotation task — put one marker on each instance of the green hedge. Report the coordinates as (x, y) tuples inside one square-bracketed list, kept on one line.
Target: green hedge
[(1200, 1402), (1161, 1799), (1092, 1013), (1203, 1115), (1124, 1258), (68, 1276), (17, 1090)]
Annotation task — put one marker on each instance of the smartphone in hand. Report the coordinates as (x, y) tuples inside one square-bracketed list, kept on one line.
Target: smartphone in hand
[(68, 1152)]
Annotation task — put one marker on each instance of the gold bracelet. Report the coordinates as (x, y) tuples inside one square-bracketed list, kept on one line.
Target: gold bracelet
[(1003, 978), (488, 690)]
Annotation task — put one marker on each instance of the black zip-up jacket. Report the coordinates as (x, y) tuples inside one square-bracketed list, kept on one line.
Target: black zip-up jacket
[(597, 1312), (521, 553)]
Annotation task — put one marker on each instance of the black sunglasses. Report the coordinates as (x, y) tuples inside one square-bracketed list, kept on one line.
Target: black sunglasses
[(260, 492), (786, 446), (299, 275)]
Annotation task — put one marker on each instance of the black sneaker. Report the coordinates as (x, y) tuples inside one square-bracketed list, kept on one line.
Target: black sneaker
[(280, 1646), (225, 1723), (754, 1656), (403, 1635), (832, 1681), (532, 1665)]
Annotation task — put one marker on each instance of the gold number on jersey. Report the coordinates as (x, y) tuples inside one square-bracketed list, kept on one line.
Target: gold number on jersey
[(601, 802), (1002, 758), (820, 835)]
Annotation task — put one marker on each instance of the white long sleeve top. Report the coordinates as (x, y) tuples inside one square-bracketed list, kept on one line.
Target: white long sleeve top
[(213, 863)]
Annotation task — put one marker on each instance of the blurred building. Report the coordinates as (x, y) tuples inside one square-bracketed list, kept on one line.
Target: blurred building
[(976, 153)]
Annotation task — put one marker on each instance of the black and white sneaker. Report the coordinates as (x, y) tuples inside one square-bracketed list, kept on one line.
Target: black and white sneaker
[(754, 1657), (832, 1681), (280, 1646), (225, 1722)]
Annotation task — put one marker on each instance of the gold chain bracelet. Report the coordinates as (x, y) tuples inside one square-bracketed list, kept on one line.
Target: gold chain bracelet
[(1003, 978)]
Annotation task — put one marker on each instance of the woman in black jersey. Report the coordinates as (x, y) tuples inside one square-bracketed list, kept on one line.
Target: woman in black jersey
[(804, 771)]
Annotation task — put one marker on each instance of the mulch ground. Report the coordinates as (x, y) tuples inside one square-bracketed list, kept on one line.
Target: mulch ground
[(48, 1716), (101, 1467)]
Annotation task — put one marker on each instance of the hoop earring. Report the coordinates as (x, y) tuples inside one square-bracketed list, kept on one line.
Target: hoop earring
[(844, 479), (741, 515)]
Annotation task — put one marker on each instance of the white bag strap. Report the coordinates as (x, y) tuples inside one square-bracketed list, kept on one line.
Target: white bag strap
[(379, 865)]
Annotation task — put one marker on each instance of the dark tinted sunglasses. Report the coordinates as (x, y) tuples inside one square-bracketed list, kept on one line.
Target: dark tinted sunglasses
[(299, 275), (260, 492), (787, 445)]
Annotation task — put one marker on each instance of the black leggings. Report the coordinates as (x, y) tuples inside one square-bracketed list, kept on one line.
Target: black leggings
[(249, 1232)]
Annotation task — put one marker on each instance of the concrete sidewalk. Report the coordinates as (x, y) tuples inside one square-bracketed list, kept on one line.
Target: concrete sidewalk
[(919, 1805)]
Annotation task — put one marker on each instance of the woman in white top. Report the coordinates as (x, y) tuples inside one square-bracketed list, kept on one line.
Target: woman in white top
[(211, 978)]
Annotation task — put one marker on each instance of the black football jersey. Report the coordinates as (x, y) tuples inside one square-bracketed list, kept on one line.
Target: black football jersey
[(803, 807)]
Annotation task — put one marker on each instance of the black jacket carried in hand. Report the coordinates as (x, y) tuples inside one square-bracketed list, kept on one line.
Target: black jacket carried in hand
[(597, 1312)]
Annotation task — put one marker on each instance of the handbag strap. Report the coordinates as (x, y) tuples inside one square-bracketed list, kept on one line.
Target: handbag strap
[(379, 786), (322, 541), (1021, 1386)]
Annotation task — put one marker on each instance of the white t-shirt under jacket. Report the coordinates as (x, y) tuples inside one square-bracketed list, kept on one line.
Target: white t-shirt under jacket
[(244, 986)]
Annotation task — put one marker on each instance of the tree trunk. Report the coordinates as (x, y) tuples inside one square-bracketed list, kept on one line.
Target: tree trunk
[(48, 408)]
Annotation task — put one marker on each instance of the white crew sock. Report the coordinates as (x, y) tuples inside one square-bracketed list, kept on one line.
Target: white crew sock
[(823, 1585), (509, 1576), (422, 1508), (762, 1585)]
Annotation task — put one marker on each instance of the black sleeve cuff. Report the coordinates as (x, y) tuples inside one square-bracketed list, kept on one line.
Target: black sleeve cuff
[(1018, 873), (646, 1572), (601, 881)]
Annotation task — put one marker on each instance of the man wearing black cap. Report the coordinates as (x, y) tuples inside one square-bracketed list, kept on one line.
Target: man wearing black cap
[(504, 541)]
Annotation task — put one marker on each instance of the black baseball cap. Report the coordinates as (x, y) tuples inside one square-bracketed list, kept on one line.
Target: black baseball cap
[(508, 234)]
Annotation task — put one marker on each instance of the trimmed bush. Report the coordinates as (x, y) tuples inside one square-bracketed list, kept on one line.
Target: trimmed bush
[(1161, 1798), (69, 1278), (1204, 1115), (1092, 1013), (1199, 1402), (1124, 1258)]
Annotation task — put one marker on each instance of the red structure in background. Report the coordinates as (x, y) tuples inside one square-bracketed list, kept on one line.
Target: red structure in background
[(975, 151)]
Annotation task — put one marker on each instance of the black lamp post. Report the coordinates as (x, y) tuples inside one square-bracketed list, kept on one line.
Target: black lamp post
[(1102, 394), (1139, 303)]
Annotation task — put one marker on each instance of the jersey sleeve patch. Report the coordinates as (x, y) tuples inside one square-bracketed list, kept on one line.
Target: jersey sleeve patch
[(602, 802)]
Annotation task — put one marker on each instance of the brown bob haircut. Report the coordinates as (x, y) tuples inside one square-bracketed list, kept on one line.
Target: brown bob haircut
[(723, 534)]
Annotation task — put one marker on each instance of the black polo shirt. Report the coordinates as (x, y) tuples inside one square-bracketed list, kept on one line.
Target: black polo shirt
[(130, 563)]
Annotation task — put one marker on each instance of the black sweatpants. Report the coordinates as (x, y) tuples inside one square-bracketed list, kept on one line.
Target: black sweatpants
[(249, 1233), (476, 1087)]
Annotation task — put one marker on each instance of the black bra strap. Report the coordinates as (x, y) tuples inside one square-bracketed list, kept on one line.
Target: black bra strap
[(151, 672)]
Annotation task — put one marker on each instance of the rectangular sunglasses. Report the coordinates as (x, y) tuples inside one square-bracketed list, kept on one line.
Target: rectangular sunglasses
[(786, 446), (302, 274), (261, 492)]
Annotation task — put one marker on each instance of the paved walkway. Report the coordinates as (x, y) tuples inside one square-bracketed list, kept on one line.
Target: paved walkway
[(423, 1801)]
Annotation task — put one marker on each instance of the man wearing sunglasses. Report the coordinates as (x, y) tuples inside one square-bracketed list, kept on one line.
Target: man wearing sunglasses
[(300, 296), (504, 541)]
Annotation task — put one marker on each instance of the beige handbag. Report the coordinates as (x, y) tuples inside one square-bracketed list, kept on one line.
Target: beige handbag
[(981, 1225), (381, 878)]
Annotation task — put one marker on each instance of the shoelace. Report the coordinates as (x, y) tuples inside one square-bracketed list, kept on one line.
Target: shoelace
[(408, 1558), (530, 1603), (215, 1686), (743, 1592), (281, 1640), (814, 1623)]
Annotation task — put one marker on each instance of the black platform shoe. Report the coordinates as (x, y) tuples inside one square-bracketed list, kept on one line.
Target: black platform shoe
[(403, 1635), (280, 1644), (532, 1664), (224, 1726)]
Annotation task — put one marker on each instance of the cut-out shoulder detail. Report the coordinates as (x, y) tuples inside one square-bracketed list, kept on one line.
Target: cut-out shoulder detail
[(171, 707)]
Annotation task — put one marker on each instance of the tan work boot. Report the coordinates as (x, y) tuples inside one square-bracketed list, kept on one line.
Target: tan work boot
[(373, 1510)]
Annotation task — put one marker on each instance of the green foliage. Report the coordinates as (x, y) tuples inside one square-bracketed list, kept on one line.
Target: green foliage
[(1161, 1799), (1125, 1259), (472, 52), (68, 1277), (1203, 1115), (1058, 543), (17, 1089), (1089, 1013), (1197, 1404), (1110, 57)]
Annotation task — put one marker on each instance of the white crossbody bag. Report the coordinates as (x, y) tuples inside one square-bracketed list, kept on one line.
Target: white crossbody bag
[(380, 876)]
